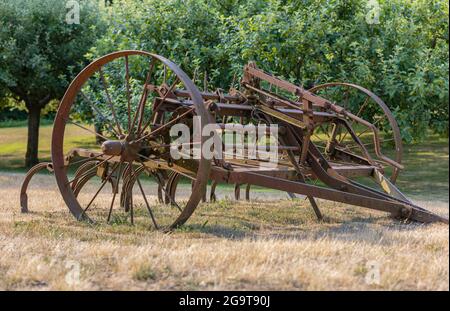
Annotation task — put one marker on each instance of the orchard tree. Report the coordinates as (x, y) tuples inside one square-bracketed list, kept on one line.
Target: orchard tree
[(41, 50)]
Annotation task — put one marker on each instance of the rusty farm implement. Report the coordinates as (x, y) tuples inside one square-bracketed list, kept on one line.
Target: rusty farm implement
[(336, 141)]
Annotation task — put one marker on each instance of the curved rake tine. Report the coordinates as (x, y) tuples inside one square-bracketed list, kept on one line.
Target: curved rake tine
[(88, 171), (162, 187)]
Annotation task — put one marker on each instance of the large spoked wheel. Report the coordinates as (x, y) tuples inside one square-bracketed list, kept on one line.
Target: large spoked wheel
[(116, 100), (368, 106)]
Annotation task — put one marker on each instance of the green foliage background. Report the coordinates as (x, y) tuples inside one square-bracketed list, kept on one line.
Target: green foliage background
[(40, 53), (404, 58)]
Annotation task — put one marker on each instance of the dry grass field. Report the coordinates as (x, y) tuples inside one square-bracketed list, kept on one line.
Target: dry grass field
[(270, 242)]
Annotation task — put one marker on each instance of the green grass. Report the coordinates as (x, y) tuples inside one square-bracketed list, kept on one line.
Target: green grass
[(425, 174), (13, 142), (22, 123)]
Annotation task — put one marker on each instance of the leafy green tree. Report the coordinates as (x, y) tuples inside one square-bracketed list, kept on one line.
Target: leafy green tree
[(403, 58), (40, 53)]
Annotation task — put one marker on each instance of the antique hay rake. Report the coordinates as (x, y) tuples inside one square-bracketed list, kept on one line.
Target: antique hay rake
[(335, 134)]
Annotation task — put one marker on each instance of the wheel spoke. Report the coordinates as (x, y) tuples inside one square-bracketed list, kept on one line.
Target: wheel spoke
[(94, 107), (347, 97), (127, 81), (86, 129), (140, 108), (374, 124), (100, 189), (108, 96), (130, 172), (363, 106), (146, 203), (326, 132), (162, 100), (159, 129), (116, 189), (361, 109)]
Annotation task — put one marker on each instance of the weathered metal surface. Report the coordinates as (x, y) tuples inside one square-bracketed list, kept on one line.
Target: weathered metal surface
[(320, 140)]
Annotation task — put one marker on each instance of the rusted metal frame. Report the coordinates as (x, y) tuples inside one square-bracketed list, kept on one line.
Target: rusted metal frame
[(331, 143), (208, 96), (358, 141), (400, 200), (353, 171), (388, 186), (344, 155), (298, 187), (330, 177), (285, 85), (168, 92), (166, 125), (259, 74), (64, 111), (376, 135), (244, 110), (273, 97), (105, 161), (89, 155), (281, 116), (290, 139), (393, 123), (124, 199), (212, 194), (301, 178), (82, 182), (23, 189), (127, 192), (171, 187), (185, 167), (307, 131), (392, 198), (395, 208)]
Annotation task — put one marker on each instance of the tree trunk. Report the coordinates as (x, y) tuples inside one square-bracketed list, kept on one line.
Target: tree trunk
[(98, 130), (34, 115)]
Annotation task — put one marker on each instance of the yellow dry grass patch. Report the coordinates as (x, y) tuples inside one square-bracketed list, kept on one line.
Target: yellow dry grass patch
[(272, 244)]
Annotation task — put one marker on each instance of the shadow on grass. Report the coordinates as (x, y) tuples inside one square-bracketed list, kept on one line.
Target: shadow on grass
[(369, 230)]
